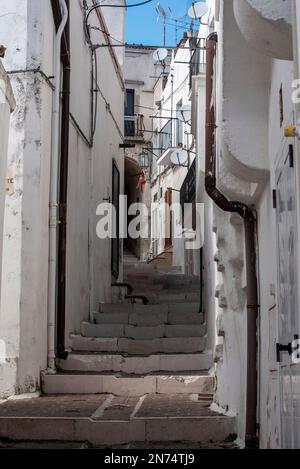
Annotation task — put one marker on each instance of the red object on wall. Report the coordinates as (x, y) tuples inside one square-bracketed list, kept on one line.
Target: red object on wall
[(142, 180)]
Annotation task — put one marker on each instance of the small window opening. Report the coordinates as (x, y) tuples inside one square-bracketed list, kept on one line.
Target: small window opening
[(281, 106)]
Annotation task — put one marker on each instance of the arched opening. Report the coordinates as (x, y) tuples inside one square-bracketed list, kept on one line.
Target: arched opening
[(133, 193)]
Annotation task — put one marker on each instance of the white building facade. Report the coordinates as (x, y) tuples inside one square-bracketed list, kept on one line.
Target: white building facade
[(66, 139), (251, 173), (7, 106), (171, 177)]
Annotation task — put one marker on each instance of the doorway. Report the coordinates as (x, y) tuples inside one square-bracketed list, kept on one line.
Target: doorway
[(288, 299), (115, 242)]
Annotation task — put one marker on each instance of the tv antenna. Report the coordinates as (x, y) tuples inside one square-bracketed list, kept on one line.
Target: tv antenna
[(164, 13)]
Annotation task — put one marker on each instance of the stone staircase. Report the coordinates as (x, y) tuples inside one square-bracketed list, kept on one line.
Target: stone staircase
[(132, 350)]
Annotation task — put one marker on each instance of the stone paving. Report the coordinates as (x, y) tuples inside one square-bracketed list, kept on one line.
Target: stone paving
[(112, 421)]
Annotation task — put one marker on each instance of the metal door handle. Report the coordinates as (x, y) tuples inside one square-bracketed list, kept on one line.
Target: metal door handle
[(285, 349)]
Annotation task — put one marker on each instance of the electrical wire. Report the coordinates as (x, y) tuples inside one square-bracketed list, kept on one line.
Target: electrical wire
[(107, 34), (99, 5), (177, 89)]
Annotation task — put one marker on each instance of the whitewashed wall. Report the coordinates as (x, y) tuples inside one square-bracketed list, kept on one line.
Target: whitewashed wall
[(249, 138), (7, 105), (27, 30), (176, 90)]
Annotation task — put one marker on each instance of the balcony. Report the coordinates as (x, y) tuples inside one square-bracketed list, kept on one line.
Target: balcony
[(198, 61), (134, 128), (165, 144)]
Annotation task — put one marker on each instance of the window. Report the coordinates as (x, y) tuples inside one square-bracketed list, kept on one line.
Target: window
[(281, 107), (179, 124), (129, 114), (129, 107)]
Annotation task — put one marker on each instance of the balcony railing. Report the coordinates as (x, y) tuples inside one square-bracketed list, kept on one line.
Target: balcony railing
[(165, 138), (134, 127), (198, 61)]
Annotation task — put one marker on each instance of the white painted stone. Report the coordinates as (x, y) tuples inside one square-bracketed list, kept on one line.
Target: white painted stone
[(195, 330), (202, 429), (144, 333), (146, 319), (184, 308), (119, 385), (91, 363), (185, 384), (108, 308), (102, 330), (135, 365), (140, 347), (150, 309), (72, 384), (184, 318), (111, 318), (93, 344), (141, 365), (186, 362), (180, 297), (129, 386), (183, 345), (164, 345), (111, 433)]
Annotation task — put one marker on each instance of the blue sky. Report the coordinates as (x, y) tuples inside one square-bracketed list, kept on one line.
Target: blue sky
[(142, 25)]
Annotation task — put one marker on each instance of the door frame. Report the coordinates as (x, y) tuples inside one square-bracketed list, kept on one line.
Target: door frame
[(286, 361), (115, 241)]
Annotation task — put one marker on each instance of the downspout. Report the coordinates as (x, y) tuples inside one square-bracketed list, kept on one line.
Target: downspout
[(63, 193), (250, 228), (53, 205)]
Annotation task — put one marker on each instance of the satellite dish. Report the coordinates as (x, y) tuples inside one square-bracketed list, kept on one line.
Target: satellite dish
[(160, 55), (179, 157), (198, 10)]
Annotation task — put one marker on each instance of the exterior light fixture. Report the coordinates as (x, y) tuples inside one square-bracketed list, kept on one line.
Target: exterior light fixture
[(144, 160)]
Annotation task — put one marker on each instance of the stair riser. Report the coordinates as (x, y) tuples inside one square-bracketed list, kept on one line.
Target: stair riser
[(145, 319), (139, 347), (182, 308), (156, 299), (104, 433), (136, 365), (142, 333), (127, 387)]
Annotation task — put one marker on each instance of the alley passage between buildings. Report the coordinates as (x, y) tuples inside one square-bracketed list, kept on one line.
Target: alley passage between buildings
[(133, 376)]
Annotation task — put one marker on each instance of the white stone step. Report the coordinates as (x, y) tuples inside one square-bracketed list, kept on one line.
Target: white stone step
[(136, 365), (180, 308), (124, 385), (181, 296), (138, 347), (151, 267), (140, 332), (99, 430), (162, 288), (148, 316)]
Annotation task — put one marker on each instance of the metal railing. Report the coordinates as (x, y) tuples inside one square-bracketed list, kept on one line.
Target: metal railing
[(165, 138), (198, 60), (134, 126)]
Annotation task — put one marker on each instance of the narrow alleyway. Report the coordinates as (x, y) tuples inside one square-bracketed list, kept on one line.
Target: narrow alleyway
[(149, 224), (137, 375)]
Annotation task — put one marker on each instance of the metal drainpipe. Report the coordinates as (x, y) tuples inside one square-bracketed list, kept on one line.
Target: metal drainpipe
[(250, 252), (54, 174), (63, 193)]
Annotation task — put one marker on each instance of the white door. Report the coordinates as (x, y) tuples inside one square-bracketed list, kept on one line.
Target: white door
[(287, 210)]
